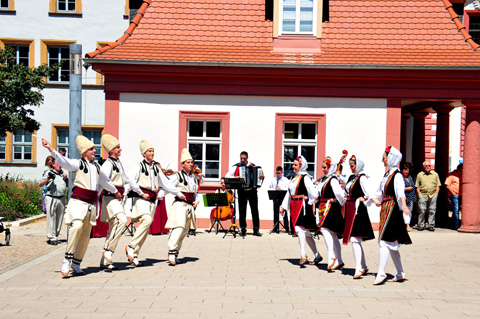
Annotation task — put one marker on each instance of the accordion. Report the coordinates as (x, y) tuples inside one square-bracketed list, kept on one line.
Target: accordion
[(251, 175)]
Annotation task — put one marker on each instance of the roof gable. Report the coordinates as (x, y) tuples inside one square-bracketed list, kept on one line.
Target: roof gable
[(388, 33)]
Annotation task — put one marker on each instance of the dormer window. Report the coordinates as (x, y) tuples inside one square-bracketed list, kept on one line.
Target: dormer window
[(298, 17)]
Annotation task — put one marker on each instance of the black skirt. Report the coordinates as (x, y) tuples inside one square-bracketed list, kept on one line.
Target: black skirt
[(334, 220), (362, 227), (395, 229), (307, 220)]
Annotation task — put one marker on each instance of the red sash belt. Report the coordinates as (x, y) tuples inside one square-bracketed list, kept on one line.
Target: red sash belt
[(120, 189), (326, 199), (387, 198), (150, 193), (190, 198), (85, 195)]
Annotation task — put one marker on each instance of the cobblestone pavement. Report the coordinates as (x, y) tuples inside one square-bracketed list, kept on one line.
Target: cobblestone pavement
[(249, 278), (27, 243)]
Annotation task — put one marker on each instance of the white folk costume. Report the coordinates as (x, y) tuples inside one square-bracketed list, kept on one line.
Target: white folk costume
[(81, 208), (112, 209), (392, 228), (299, 201), (149, 178), (358, 227), (332, 223), (181, 216), (55, 190)]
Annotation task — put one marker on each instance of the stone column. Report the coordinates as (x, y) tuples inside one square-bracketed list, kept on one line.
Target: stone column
[(442, 148), (418, 143), (471, 170)]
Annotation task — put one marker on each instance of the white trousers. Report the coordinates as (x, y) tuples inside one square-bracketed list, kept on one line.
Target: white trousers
[(55, 212)]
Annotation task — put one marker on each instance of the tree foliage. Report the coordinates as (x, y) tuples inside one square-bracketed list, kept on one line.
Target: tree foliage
[(20, 90)]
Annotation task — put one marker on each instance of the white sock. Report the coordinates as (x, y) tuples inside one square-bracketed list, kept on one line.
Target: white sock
[(383, 261), (302, 240), (311, 243), (327, 236), (358, 255), (397, 261)]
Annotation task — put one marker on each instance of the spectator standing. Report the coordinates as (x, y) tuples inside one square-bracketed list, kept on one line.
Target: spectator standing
[(48, 165), (428, 186), (410, 194), (453, 183), (55, 183)]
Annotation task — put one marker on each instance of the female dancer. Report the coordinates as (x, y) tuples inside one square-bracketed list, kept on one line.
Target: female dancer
[(333, 224), (357, 223), (299, 201), (393, 230)]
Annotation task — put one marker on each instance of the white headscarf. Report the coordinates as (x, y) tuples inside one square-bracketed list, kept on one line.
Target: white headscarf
[(303, 165), (360, 165), (394, 158)]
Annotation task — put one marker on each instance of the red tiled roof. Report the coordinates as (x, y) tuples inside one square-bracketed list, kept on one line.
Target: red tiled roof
[(399, 33)]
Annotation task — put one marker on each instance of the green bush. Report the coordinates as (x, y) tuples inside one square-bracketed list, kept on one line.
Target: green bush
[(19, 198)]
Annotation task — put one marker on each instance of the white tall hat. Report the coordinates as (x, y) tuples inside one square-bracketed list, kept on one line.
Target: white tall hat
[(185, 156), (83, 144), (109, 142), (145, 146)]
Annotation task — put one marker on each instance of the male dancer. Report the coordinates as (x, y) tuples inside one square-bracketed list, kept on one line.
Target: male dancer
[(149, 177), (181, 217), (246, 195), (81, 208), (112, 210)]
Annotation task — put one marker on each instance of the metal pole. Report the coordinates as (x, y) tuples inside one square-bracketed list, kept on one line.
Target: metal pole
[(75, 115)]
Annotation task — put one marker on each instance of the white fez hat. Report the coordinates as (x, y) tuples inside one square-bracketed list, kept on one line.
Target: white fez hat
[(109, 142), (145, 146), (185, 156), (83, 144)]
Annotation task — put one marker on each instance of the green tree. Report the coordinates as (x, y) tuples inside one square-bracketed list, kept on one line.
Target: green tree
[(20, 90)]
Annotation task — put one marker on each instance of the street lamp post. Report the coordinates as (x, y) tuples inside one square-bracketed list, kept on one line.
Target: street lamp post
[(75, 114)]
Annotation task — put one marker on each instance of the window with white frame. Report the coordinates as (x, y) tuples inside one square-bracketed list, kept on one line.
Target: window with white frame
[(22, 145), (299, 139), (204, 142), (298, 17), (60, 55), (62, 139), (95, 135), (3, 148), (4, 4), (21, 54), (66, 5)]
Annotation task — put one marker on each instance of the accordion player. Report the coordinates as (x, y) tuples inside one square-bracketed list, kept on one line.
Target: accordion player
[(251, 175)]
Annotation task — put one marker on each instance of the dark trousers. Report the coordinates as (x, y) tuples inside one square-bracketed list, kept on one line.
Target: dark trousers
[(276, 214), (250, 196)]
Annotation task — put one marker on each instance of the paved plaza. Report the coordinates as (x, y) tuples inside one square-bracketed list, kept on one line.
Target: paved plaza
[(248, 278)]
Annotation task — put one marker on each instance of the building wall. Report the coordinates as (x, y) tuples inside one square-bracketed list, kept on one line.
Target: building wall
[(252, 128), (33, 21)]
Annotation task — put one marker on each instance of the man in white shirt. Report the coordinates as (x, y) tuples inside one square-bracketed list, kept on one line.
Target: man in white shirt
[(280, 182)]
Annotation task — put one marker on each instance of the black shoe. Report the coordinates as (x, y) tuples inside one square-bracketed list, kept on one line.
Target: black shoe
[(257, 233), (54, 242), (191, 232), (317, 260), (419, 228), (243, 232), (431, 228)]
